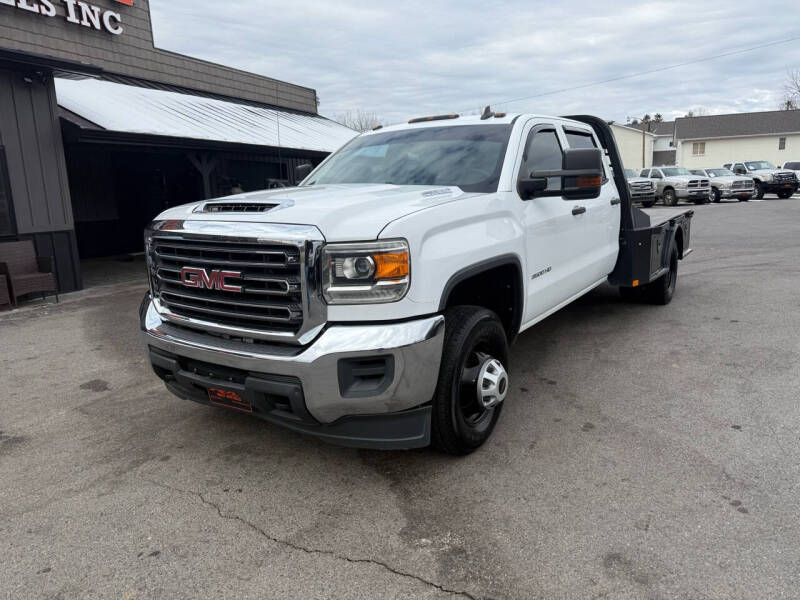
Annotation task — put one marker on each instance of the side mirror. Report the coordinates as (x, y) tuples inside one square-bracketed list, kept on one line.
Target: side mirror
[(531, 188), (302, 171), (581, 177)]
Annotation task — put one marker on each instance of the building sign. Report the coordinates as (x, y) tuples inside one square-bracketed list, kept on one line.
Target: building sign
[(77, 12)]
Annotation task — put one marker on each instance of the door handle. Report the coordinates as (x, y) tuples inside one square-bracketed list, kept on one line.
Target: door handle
[(615, 201), (578, 210)]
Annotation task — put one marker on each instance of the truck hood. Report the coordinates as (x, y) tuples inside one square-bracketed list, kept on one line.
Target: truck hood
[(342, 212), (637, 179), (686, 178), (770, 171), (730, 178)]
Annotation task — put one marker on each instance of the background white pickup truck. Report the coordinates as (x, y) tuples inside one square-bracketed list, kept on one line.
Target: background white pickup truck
[(374, 304)]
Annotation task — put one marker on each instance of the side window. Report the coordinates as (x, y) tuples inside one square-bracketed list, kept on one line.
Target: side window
[(579, 139), (739, 169), (543, 153), (656, 174), (645, 173)]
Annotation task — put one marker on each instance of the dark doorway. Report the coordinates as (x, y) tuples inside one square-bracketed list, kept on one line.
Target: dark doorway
[(116, 192)]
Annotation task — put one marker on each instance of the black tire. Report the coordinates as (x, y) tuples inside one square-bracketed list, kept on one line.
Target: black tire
[(662, 289), (759, 190), (784, 194), (648, 203), (469, 331), (744, 198), (717, 195), (670, 198)]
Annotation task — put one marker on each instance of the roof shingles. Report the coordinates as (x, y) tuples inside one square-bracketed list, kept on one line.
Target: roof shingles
[(740, 124)]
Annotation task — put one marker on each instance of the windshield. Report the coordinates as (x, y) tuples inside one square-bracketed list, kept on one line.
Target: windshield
[(759, 164), (466, 156), (795, 166), (673, 171), (720, 172), (630, 173)]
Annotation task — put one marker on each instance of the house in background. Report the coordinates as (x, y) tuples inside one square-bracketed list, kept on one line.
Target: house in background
[(714, 140), (629, 142)]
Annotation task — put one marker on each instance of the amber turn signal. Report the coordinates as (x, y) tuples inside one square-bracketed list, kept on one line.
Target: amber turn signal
[(392, 265), (590, 181)]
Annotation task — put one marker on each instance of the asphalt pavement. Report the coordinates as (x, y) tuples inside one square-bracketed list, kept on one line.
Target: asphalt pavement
[(643, 452)]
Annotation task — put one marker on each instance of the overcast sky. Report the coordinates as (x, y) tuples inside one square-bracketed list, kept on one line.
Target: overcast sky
[(408, 59)]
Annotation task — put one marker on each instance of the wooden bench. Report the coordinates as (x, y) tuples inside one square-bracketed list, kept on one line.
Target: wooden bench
[(26, 273), (5, 299)]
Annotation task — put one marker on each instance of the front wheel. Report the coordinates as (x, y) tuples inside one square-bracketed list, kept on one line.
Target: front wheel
[(473, 380), (759, 190), (717, 195), (670, 198), (784, 194)]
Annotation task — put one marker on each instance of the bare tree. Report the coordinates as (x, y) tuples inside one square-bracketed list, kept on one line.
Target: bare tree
[(700, 111), (358, 119), (791, 91)]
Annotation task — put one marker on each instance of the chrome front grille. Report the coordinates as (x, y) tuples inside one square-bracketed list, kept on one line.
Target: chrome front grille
[(742, 184), (269, 278), (245, 286), (785, 177), (698, 183)]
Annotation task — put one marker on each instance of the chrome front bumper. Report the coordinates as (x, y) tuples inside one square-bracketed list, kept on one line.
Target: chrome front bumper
[(692, 193), (415, 346)]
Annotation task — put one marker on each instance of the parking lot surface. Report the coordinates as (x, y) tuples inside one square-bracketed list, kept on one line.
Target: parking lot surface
[(644, 452)]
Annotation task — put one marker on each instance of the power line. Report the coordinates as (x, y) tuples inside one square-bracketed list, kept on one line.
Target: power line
[(641, 73)]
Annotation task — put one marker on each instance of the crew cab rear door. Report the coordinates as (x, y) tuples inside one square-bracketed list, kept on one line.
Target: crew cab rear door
[(599, 224), (554, 248)]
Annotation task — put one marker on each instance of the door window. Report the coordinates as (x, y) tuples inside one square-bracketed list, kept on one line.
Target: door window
[(579, 139), (543, 153)]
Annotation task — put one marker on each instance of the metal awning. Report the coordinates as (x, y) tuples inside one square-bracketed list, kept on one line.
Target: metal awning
[(135, 110)]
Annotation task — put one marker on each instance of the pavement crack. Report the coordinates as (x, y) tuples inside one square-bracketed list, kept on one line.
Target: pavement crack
[(307, 550)]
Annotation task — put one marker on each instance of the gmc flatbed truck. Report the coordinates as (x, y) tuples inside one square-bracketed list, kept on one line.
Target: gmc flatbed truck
[(374, 304)]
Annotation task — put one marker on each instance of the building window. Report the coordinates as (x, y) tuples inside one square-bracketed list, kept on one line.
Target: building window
[(782, 143), (6, 222), (698, 148)]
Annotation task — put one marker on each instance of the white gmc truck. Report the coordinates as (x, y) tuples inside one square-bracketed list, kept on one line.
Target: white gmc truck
[(374, 304)]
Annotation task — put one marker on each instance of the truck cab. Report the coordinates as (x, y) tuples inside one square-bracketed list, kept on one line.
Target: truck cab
[(374, 304)]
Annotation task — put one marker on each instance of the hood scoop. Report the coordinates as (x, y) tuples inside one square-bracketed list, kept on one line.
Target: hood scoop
[(234, 207)]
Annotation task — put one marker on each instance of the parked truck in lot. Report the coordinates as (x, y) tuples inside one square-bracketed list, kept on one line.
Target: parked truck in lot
[(642, 190), (726, 184), (374, 304), (676, 183), (768, 179)]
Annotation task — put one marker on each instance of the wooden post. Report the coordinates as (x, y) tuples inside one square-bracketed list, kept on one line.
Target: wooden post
[(205, 164)]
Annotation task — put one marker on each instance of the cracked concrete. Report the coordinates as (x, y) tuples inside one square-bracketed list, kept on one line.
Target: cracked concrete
[(644, 452), (294, 546)]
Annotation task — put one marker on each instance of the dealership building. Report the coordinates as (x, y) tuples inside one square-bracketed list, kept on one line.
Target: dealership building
[(100, 130)]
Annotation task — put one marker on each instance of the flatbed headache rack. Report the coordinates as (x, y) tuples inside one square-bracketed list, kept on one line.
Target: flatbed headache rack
[(644, 246)]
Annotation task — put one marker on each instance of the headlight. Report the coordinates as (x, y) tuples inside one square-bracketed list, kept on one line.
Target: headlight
[(365, 273), (766, 177), (681, 185)]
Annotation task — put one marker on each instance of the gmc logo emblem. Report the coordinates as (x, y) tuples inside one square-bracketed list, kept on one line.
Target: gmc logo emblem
[(212, 280)]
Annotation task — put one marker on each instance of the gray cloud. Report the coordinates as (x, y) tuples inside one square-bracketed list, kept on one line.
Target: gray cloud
[(411, 58)]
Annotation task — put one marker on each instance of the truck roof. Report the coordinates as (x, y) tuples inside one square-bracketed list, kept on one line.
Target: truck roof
[(507, 118)]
